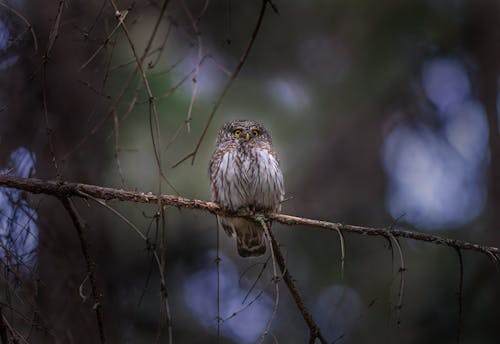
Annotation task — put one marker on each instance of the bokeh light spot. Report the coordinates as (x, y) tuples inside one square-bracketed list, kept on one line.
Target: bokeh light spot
[(290, 94), (18, 228), (445, 82), (430, 185), (337, 310), (4, 36), (200, 295), (437, 176)]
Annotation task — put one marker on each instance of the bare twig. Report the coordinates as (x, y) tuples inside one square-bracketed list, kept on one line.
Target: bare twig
[(15, 335), (153, 114), (4, 329), (54, 33), (23, 18), (217, 269), (106, 41), (290, 283), (460, 293), (275, 279), (80, 229), (259, 276), (163, 286), (116, 131), (104, 118), (229, 82), (342, 253), (401, 272), (161, 267), (194, 23), (117, 213)]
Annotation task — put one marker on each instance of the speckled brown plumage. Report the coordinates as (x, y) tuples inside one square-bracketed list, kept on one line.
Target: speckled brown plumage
[(245, 174)]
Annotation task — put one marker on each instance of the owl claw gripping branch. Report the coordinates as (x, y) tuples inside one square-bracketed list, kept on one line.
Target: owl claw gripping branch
[(245, 176)]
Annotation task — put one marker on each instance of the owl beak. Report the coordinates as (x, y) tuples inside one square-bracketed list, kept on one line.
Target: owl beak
[(247, 137)]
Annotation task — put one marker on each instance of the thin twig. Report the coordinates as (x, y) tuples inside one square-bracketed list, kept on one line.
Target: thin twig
[(256, 280), (460, 293), (235, 73), (116, 131), (401, 271), (161, 269), (104, 118), (163, 285), (153, 114), (161, 48), (80, 227), (23, 18), (14, 333), (275, 279), (117, 213), (54, 33), (290, 283), (4, 329), (217, 267), (106, 41), (194, 93), (342, 253)]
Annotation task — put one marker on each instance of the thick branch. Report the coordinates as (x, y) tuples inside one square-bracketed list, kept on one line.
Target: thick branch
[(64, 189)]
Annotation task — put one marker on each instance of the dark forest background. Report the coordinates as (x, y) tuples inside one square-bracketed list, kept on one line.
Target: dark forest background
[(383, 113)]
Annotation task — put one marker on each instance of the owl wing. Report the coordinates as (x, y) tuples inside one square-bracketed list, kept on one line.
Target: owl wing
[(213, 169)]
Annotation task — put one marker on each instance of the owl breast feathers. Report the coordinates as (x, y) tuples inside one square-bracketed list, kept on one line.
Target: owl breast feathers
[(245, 174)]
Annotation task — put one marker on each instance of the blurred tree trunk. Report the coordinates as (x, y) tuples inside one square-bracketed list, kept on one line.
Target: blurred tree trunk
[(483, 37)]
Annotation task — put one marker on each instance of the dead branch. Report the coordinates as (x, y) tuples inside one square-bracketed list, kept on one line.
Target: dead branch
[(80, 226), (492, 252), (290, 283), (65, 189)]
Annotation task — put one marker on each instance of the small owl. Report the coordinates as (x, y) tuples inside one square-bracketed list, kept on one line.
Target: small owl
[(245, 174)]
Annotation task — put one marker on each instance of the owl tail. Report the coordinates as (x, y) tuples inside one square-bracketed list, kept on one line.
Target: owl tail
[(249, 236)]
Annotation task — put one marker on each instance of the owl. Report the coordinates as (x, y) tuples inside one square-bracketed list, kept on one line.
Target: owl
[(245, 175)]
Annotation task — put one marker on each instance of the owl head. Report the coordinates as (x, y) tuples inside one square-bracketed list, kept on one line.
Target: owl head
[(242, 131)]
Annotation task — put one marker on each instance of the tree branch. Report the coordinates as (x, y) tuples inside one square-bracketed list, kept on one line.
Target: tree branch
[(491, 251), (65, 189)]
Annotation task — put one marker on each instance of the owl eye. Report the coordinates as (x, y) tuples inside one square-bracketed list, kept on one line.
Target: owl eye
[(237, 133), (255, 132)]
